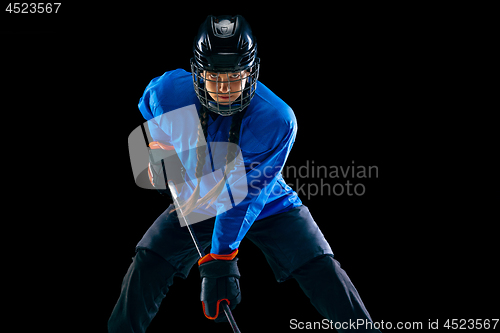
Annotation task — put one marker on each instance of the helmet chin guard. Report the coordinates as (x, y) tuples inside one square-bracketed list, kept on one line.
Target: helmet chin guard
[(225, 67)]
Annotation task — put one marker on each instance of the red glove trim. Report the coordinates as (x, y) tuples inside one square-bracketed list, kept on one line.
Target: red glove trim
[(150, 175), (213, 256), (217, 311), (159, 145)]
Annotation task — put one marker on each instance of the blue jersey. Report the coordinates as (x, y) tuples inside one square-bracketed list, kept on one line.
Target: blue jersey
[(267, 134)]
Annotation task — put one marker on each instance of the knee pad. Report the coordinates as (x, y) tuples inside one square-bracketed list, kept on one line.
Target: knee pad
[(322, 260), (315, 266), (148, 261)]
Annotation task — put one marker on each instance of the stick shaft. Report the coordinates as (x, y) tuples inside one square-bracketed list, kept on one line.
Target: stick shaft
[(175, 196), (225, 306), (230, 317)]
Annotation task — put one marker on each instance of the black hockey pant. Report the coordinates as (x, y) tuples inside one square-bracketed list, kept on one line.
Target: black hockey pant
[(156, 262)]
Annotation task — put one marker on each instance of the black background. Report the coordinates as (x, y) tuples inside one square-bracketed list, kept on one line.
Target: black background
[(369, 85)]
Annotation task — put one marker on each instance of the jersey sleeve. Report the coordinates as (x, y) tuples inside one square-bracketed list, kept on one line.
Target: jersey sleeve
[(260, 176), (151, 111)]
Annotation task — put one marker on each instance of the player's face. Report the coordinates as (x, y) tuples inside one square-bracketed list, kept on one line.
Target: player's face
[(225, 88)]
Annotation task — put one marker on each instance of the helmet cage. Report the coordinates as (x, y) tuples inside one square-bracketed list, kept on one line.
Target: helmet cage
[(247, 85)]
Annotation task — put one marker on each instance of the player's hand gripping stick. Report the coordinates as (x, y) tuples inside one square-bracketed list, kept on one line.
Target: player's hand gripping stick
[(206, 262)]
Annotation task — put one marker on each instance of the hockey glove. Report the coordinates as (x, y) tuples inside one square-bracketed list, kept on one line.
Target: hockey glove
[(156, 171), (219, 282)]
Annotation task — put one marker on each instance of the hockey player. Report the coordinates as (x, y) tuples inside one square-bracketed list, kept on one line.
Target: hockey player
[(233, 107)]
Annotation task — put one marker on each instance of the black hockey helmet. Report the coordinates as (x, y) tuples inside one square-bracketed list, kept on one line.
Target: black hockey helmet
[(225, 47)]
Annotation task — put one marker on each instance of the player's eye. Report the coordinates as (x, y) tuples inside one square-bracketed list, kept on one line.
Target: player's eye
[(213, 75), (235, 76)]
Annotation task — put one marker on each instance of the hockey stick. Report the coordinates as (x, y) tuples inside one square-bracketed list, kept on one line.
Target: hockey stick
[(225, 306)]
